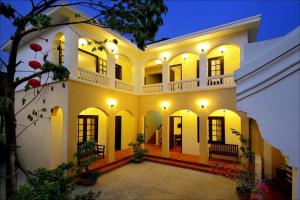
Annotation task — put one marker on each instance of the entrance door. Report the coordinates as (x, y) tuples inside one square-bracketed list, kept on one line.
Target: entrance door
[(176, 133), (87, 128), (118, 132)]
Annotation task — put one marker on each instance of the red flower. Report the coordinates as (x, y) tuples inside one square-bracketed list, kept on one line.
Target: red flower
[(34, 64)]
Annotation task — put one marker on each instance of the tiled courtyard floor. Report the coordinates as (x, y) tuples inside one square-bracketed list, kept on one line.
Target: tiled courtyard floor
[(156, 181)]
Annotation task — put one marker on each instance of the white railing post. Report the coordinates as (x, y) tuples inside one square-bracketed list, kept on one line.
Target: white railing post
[(203, 70)]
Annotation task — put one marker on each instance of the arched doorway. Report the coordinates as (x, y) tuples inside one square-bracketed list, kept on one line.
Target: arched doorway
[(124, 69), (220, 125), (153, 132), (153, 72), (184, 132), (92, 125), (56, 137), (124, 130)]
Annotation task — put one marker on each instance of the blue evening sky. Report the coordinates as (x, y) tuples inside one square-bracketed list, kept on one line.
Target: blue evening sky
[(186, 16)]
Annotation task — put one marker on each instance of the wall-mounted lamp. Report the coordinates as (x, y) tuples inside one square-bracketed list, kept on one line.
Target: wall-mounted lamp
[(111, 102), (165, 55), (82, 41), (222, 49), (112, 46), (203, 47), (164, 105), (203, 103), (184, 56), (158, 62)]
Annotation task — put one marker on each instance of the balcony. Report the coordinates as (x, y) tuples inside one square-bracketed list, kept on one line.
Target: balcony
[(89, 76), (214, 82)]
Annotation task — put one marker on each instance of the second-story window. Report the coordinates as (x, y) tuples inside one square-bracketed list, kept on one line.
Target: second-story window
[(215, 68), (60, 49), (91, 62)]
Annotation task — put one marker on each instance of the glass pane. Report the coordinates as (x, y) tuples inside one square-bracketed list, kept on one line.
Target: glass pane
[(86, 61)]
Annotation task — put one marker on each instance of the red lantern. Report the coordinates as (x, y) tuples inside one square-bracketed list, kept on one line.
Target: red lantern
[(34, 64), (34, 83), (35, 47)]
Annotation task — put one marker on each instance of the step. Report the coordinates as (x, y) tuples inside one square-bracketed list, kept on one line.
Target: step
[(113, 165), (183, 164)]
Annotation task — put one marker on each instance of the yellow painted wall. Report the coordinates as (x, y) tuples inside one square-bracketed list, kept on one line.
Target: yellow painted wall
[(277, 160), (189, 131), (102, 123), (127, 68), (177, 120), (55, 42), (232, 120), (153, 121), (127, 129), (189, 65), (56, 138), (83, 96), (231, 57)]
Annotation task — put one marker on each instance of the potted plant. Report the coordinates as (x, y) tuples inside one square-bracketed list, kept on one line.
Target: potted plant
[(86, 155), (139, 153)]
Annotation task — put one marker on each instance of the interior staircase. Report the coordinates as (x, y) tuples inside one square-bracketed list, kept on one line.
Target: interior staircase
[(152, 139)]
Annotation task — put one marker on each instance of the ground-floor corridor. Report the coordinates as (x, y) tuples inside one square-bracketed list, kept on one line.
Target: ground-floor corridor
[(149, 180)]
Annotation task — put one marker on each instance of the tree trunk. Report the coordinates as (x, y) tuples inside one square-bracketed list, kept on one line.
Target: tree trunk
[(10, 121)]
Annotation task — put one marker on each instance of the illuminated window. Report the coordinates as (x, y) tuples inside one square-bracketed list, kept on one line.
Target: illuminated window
[(87, 128), (216, 130)]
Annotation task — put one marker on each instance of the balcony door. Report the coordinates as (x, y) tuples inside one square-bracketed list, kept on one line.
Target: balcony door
[(215, 68)]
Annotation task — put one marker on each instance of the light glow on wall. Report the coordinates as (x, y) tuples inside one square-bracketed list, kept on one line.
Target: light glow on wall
[(203, 47), (112, 46), (222, 49), (165, 55), (164, 104), (203, 103), (82, 41), (116, 57), (185, 56), (158, 62), (111, 102)]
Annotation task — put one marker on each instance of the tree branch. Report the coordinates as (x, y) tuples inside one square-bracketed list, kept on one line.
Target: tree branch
[(32, 4), (89, 21), (27, 78), (3, 62)]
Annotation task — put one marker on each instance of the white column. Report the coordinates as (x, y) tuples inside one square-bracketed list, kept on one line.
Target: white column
[(71, 53), (111, 68), (165, 135), (165, 75), (203, 69), (203, 139), (110, 137)]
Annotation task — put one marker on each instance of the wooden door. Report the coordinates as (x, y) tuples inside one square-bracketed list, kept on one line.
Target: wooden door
[(118, 72), (118, 132)]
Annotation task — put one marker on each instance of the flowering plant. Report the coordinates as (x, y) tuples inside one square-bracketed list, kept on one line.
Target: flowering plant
[(260, 190)]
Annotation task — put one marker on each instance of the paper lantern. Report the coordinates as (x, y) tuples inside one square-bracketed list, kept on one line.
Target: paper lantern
[(34, 83), (34, 64), (35, 47)]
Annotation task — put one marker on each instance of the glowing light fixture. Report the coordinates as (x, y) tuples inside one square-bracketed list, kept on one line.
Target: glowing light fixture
[(164, 105), (184, 56), (112, 46), (82, 41), (203, 47), (111, 102), (222, 49), (165, 55), (203, 103), (158, 62)]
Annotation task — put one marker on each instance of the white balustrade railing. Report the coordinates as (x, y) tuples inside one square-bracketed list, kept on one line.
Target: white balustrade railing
[(183, 85), (124, 86), (94, 77), (226, 80), (152, 88)]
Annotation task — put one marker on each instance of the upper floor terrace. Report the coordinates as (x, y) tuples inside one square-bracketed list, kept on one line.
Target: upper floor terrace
[(198, 61)]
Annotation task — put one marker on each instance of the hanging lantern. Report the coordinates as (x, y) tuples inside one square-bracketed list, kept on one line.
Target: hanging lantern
[(35, 47), (34, 83), (34, 64)]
